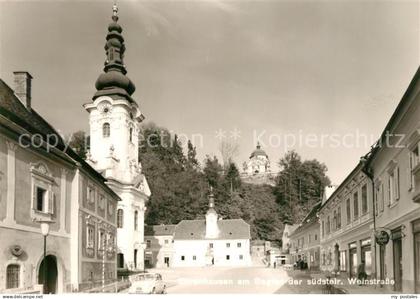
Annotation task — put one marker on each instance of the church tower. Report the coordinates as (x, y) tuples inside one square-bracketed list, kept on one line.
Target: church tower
[(114, 119), (212, 229)]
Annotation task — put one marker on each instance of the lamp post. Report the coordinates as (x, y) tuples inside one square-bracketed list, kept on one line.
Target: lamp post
[(45, 230)]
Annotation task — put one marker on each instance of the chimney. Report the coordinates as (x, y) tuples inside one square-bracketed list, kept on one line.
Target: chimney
[(23, 87)]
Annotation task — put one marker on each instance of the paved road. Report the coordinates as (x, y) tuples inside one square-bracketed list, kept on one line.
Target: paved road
[(223, 280)]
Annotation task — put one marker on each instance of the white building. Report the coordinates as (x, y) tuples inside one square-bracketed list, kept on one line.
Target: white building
[(258, 162), (212, 241), (159, 245), (114, 118)]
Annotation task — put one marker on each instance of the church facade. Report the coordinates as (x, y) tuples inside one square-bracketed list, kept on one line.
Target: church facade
[(257, 169), (114, 119)]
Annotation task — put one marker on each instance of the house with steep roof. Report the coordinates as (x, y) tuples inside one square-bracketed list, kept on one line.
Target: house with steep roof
[(159, 245), (44, 180)]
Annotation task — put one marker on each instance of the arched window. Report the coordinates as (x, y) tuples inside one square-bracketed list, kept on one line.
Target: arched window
[(106, 130), (12, 276), (131, 134), (120, 216), (335, 226), (136, 218)]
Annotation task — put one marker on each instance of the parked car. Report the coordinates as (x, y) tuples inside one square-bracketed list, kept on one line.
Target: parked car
[(147, 283)]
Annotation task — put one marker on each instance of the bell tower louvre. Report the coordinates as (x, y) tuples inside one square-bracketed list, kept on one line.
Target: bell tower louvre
[(114, 120)]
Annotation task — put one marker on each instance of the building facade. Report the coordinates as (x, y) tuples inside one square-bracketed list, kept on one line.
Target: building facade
[(42, 179), (212, 242), (159, 245), (257, 169), (347, 226), (305, 240), (395, 166), (114, 119)]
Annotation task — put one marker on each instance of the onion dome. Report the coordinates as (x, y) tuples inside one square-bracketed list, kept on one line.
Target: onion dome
[(258, 152), (114, 80)]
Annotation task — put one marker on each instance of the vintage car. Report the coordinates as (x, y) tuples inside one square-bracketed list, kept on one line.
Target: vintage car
[(147, 283)]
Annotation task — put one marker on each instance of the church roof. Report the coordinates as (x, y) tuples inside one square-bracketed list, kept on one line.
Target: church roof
[(113, 81), (258, 152), (229, 229), (159, 230)]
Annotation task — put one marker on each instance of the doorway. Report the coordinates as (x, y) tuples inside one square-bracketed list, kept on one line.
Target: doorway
[(50, 263), (353, 262), (135, 258), (397, 245)]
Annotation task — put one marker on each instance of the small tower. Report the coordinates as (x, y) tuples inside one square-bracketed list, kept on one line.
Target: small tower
[(212, 229), (114, 119)]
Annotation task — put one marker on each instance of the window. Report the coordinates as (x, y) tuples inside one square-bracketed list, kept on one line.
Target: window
[(241, 257), (356, 205), (194, 258), (316, 237), (131, 135), (90, 238), (120, 218), (227, 245), (182, 258), (381, 197), (211, 245), (335, 225), (322, 228), (12, 276), (136, 218), (120, 260), (339, 218), (106, 130), (148, 243), (101, 202), (227, 257), (364, 199), (348, 209), (90, 194), (328, 225), (239, 245), (101, 240), (166, 241), (41, 198), (394, 185), (414, 161)]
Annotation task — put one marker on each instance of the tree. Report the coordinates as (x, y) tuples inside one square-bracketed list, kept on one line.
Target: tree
[(192, 155), (228, 149), (78, 141), (299, 185)]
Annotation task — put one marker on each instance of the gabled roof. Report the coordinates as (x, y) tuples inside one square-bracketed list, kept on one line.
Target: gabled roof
[(228, 229), (14, 111), (310, 219), (159, 230)]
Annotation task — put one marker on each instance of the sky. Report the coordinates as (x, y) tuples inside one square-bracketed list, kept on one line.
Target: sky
[(319, 77)]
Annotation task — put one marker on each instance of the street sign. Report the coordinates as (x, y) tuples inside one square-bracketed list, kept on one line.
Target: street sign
[(382, 237)]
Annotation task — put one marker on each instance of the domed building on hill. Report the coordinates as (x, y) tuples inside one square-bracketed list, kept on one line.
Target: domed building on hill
[(257, 169)]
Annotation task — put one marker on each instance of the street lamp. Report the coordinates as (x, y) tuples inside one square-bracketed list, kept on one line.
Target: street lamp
[(45, 230)]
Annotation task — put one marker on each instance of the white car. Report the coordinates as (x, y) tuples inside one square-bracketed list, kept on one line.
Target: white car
[(147, 283)]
